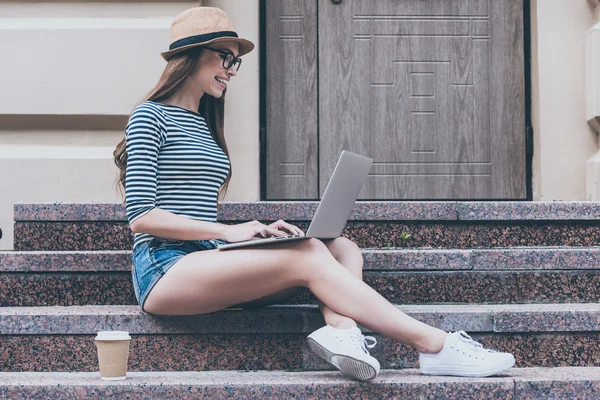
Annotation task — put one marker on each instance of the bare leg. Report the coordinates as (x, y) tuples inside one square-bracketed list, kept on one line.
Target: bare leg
[(274, 298), (348, 254), (211, 280)]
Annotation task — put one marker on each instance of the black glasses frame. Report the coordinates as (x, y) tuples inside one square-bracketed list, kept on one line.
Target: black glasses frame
[(234, 60)]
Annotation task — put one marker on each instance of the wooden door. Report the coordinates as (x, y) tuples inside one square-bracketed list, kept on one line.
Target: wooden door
[(432, 90)]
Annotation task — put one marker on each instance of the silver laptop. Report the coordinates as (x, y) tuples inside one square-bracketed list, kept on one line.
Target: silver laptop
[(336, 205)]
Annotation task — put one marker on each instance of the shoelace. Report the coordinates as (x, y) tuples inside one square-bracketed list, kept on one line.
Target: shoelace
[(362, 342), (472, 343)]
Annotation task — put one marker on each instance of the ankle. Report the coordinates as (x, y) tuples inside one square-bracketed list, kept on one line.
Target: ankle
[(341, 323), (432, 343)]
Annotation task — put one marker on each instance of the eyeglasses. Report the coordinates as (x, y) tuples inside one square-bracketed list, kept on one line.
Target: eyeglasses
[(229, 60)]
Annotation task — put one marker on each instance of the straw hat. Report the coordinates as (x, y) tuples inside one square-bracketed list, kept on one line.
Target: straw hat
[(200, 26)]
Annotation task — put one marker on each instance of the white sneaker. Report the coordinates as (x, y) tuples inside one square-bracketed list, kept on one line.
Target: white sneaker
[(346, 349), (462, 356)]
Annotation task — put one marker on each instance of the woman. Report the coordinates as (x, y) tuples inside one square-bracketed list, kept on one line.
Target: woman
[(174, 162)]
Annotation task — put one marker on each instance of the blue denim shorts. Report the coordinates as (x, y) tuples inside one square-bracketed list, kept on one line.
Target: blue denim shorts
[(153, 258)]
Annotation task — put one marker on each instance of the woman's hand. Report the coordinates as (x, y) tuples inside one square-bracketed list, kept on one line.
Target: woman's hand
[(248, 230), (281, 225)]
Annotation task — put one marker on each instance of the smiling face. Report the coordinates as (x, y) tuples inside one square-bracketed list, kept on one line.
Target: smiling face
[(210, 76)]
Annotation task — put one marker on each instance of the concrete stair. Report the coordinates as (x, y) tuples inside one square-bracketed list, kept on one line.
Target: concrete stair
[(522, 384), (61, 338), (371, 225), (521, 277), (516, 275)]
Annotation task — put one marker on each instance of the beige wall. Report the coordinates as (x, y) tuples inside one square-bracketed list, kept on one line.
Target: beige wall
[(242, 104), (563, 141), (76, 70)]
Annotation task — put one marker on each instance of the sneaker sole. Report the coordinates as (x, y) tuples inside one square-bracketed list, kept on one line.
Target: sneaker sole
[(351, 367), (466, 373)]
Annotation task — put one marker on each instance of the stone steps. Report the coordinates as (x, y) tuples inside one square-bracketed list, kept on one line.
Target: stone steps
[(536, 253), (371, 224), (61, 338), (454, 287), (518, 383), (524, 275)]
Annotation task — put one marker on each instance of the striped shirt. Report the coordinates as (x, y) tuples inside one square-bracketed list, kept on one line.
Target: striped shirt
[(173, 163)]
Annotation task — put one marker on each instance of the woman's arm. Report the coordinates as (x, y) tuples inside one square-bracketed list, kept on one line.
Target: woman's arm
[(145, 133), (165, 224)]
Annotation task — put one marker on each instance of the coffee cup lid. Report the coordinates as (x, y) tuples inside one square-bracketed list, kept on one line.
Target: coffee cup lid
[(113, 335)]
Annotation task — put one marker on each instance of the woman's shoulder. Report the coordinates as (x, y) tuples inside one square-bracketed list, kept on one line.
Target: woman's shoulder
[(149, 108), (143, 117)]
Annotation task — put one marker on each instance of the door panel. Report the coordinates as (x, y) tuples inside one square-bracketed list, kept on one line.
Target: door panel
[(433, 90), (291, 131)]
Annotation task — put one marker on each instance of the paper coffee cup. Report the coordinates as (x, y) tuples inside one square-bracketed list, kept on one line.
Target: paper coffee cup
[(113, 352)]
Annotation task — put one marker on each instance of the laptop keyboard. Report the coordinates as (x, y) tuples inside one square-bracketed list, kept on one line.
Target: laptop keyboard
[(288, 236)]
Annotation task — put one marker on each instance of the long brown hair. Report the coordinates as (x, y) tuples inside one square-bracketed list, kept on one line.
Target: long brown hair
[(212, 109)]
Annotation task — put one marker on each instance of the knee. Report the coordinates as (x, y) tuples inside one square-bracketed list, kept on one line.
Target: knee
[(312, 247), (346, 245), (344, 249), (310, 256), (341, 252)]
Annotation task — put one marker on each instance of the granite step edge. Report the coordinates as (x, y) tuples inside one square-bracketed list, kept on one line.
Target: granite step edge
[(393, 259), (518, 383), (499, 318), (364, 210), (274, 377)]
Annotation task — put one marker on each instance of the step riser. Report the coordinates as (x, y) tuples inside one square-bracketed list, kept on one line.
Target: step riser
[(116, 288), (502, 390), (52, 236), (384, 391), (267, 352), (66, 289)]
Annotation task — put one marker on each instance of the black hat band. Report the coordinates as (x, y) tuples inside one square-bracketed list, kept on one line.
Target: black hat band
[(201, 39)]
